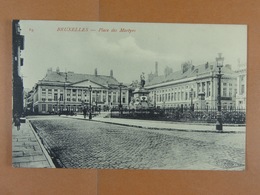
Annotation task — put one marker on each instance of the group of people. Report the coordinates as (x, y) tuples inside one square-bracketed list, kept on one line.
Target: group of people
[(94, 110)]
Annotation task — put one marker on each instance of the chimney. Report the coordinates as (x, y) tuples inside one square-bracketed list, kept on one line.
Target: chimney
[(156, 68), (57, 69), (49, 70), (167, 71), (95, 71), (185, 67), (207, 65), (150, 77), (111, 73)]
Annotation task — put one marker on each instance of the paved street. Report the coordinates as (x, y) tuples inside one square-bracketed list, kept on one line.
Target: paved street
[(92, 144)]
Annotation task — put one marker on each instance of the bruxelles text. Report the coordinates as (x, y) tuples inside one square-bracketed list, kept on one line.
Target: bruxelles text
[(80, 29)]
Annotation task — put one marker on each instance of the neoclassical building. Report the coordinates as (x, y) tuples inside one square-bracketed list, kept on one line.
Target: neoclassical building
[(193, 86), (241, 87), (71, 92)]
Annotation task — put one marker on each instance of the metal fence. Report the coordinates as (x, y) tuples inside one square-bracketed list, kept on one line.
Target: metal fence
[(231, 116)]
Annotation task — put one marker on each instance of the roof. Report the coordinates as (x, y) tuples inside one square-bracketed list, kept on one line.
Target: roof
[(56, 78), (193, 71)]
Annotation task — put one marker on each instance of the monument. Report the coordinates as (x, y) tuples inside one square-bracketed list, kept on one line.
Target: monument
[(141, 98)]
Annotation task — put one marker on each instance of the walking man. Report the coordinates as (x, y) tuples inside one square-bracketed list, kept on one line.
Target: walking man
[(17, 122), (84, 112)]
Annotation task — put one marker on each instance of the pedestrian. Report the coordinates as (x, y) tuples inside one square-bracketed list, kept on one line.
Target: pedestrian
[(84, 112), (17, 122)]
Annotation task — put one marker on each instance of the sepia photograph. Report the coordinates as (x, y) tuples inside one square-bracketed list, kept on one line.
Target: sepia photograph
[(121, 95)]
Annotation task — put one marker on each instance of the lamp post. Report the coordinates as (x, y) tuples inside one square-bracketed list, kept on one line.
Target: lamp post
[(59, 109), (220, 61), (90, 104), (120, 94), (66, 78), (191, 100), (154, 99), (97, 94)]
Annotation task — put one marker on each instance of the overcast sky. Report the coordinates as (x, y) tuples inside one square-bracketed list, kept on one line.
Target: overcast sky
[(128, 54)]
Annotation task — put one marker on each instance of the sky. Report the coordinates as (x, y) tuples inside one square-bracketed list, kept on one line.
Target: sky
[(128, 50)]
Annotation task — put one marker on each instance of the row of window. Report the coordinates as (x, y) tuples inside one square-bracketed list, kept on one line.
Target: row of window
[(180, 96), (201, 87), (87, 99), (176, 96), (171, 89), (75, 91), (74, 94), (207, 106), (55, 108)]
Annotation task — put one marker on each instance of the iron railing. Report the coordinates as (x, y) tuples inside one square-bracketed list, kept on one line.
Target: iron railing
[(231, 116)]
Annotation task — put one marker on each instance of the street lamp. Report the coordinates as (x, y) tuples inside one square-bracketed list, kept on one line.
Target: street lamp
[(90, 109), (154, 98), (58, 107), (120, 94), (191, 100), (220, 61), (97, 94), (66, 78)]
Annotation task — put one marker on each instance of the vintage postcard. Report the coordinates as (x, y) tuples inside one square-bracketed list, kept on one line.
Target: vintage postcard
[(109, 95)]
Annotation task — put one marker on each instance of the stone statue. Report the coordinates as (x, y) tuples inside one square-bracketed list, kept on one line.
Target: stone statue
[(142, 78)]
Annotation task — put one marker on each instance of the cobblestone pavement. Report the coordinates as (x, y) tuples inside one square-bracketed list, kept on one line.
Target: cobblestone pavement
[(90, 144), (27, 152)]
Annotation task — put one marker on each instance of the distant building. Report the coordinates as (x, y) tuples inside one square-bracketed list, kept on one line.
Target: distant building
[(18, 45), (151, 76), (241, 87), (71, 92), (28, 102), (193, 86)]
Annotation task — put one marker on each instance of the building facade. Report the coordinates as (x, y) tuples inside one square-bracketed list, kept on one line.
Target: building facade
[(18, 46), (69, 91), (241, 87), (193, 87), (28, 102)]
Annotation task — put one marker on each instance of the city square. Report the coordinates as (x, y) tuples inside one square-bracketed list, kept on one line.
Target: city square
[(190, 116)]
